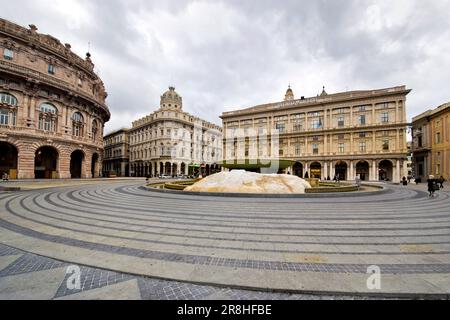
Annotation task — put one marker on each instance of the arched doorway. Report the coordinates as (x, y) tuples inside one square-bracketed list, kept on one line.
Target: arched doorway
[(385, 170), (174, 169), (362, 170), (315, 170), (167, 168), (207, 170), (94, 165), (298, 169), (341, 170), (76, 164), (46, 163), (8, 160)]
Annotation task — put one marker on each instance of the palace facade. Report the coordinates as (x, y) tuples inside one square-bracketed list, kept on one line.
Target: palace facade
[(431, 143), (117, 154), (172, 142), (349, 134), (52, 108)]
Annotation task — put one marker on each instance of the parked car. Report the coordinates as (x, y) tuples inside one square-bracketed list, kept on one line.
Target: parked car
[(165, 176)]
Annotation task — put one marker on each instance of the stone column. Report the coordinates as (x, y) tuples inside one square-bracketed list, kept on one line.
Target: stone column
[(397, 172), (333, 170), (25, 162), (396, 112), (352, 171), (405, 169), (374, 171), (325, 170), (306, 170)]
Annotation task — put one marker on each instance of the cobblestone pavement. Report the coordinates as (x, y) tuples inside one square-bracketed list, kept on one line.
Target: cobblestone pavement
[(303, 245), (101, 284)]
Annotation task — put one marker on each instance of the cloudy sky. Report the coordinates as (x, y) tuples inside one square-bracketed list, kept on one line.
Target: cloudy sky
[(230, 54)]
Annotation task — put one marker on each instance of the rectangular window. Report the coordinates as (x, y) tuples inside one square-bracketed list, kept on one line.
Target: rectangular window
[(51, 69), (8, 54), (341, 121), (297, 126), (316, 124), (315, 147), (280, 127), (341, 147), (438, 137), (385, 117), (362, 108), (297, 149), (362, 120), (386, 145), (362, 134), (362, 146), (4, 117)]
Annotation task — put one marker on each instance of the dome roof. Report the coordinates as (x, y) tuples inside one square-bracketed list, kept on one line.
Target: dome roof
[(171, 99)]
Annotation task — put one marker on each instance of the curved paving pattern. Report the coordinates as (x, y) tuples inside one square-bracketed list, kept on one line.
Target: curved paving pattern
[(305, 244)]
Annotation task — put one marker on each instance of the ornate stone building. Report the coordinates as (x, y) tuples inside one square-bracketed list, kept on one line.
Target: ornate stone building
[(345, 134), (52, 107), (117, 154), (431, 143), (171, 141)]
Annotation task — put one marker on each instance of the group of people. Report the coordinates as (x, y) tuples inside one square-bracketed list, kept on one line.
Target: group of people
[(435, 184)]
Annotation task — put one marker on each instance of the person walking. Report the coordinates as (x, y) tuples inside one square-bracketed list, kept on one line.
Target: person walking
[(441, 182), (405, 181), (431, 186)]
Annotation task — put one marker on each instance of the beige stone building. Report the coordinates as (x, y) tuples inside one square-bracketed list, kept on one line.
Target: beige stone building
[(171, 141), (117, 154), (52, 107), (349, 134), (431, 143)]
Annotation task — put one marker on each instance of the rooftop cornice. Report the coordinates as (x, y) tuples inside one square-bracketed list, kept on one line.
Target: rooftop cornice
[(319, 100), (46, 42)]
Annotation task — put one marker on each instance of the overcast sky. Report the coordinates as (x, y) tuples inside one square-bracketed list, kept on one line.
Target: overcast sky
[(225, 55)]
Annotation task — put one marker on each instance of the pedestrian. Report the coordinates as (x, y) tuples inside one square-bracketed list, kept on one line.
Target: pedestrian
[(441, 182), (409, 179), (147, 178), (5, 177), (431, 185), (405, 182), (358, 182)]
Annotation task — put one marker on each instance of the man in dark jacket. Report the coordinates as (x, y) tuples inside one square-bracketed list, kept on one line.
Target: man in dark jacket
[(431, 185)]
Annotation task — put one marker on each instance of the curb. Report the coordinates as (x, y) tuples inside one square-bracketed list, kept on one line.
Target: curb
[(383, 190)]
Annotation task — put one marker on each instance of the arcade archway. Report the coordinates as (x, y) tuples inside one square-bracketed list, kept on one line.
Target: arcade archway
[(385, 170), (362, 170), (94, 166), (76, 164), (341, 170), (298, 169), (8, 160), (315, 170), (46, 163)]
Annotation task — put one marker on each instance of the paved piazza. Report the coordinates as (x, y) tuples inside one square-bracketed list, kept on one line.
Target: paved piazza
[(147, 244)]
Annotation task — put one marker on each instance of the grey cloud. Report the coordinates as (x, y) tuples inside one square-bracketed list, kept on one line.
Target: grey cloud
[(229, 54)]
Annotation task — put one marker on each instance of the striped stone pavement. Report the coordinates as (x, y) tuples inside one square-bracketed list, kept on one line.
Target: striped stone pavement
[(306, 244)]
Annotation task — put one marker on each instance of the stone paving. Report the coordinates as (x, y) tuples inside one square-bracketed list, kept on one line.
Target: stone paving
[(293, 245)]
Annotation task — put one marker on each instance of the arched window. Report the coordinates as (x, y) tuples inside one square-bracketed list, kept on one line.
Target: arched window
[(94, 130), (6, 98), (7, 109), (77, 124), (47, 117)]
